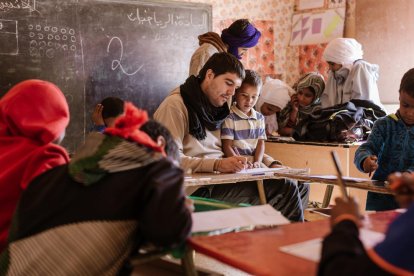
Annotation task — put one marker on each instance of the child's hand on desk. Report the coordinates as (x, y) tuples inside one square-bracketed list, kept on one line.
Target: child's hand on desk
[(370, 164), (345, 210), (403, 186)]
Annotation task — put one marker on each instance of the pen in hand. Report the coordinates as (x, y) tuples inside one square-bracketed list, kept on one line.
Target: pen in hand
[(236, 151), (372, 159)]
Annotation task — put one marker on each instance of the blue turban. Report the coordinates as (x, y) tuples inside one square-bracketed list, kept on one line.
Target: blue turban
[(247, 39)]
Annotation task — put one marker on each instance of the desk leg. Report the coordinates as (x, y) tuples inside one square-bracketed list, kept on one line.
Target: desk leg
[(187, 262), (262, 195), (327, 196)]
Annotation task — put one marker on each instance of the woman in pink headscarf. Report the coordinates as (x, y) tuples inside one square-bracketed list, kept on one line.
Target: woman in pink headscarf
[(33, 115)]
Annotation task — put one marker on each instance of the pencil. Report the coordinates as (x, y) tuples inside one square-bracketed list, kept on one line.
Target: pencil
[(341, 182)]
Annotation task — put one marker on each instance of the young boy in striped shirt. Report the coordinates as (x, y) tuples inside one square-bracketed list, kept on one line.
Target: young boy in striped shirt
[(243, 131)]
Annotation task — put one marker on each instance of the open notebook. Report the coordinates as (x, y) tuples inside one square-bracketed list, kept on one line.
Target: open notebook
[(235, 219)]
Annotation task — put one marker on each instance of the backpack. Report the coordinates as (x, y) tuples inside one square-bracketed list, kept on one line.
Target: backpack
[(348, 122)]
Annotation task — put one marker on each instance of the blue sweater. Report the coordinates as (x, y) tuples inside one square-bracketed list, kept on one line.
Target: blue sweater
[(392, 141)]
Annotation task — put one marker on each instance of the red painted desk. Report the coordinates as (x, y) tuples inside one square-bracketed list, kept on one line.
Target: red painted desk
[(257, 252)]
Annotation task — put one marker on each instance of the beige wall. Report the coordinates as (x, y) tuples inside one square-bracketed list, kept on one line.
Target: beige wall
[(386, 29), (286, 58)]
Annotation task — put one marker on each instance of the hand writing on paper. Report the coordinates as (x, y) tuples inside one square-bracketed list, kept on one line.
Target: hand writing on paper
[(232, 164), (403, 186), (370, 164)]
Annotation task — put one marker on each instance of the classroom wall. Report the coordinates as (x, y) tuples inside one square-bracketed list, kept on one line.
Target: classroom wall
[(278, 11), (385, 28), (287, 59)]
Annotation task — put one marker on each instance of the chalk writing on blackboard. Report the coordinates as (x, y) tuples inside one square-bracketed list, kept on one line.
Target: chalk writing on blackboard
[(18, 5), (117, 62), (173, 19), (8, 37), (50, 40), (138, 50)]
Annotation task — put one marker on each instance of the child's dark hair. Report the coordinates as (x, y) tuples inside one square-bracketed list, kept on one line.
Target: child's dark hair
[(252, 78), (222, 63), (237, 27), (155, 129), (112, 107), (407, 83)]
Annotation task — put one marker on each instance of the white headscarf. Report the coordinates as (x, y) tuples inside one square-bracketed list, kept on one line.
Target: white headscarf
[(343, 51), (275, 92)]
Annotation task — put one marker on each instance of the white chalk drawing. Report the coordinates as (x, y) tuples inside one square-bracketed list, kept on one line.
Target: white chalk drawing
[(150, 18), (9, 39), (46, 40), (29, 5), (118, 62)]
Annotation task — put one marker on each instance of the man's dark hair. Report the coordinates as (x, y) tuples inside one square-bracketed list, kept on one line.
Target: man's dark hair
[(237, 27), (112, 107), (407, 83), (252, 78), (155, 129), (222, 63)]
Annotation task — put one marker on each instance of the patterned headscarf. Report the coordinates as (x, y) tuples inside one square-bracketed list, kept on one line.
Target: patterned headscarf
[(248, 38), (343, 51), (314, 80)]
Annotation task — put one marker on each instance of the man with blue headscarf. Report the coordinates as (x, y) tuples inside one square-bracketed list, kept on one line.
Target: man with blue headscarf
[(236, 40)]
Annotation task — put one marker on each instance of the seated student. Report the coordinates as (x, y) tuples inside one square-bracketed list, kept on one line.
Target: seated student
[(343, 252), (105, 113), (33, 116), (162, 136), (350, 77), (236, 40), (292, 119), (275, 96), (194, 113), (243, 131), (390, 145), (88, 217)]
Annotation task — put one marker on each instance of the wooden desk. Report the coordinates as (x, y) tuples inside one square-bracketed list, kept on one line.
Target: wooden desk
[(316, 156), (201, 179), (257, 252), (367, 185)]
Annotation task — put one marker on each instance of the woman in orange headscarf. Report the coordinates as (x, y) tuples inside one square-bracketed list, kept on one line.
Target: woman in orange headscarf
[(33, 115)]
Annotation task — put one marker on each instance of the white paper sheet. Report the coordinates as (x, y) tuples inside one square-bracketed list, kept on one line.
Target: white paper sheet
[(256, 171), (265, 171), (311, 249), (236, 218)]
